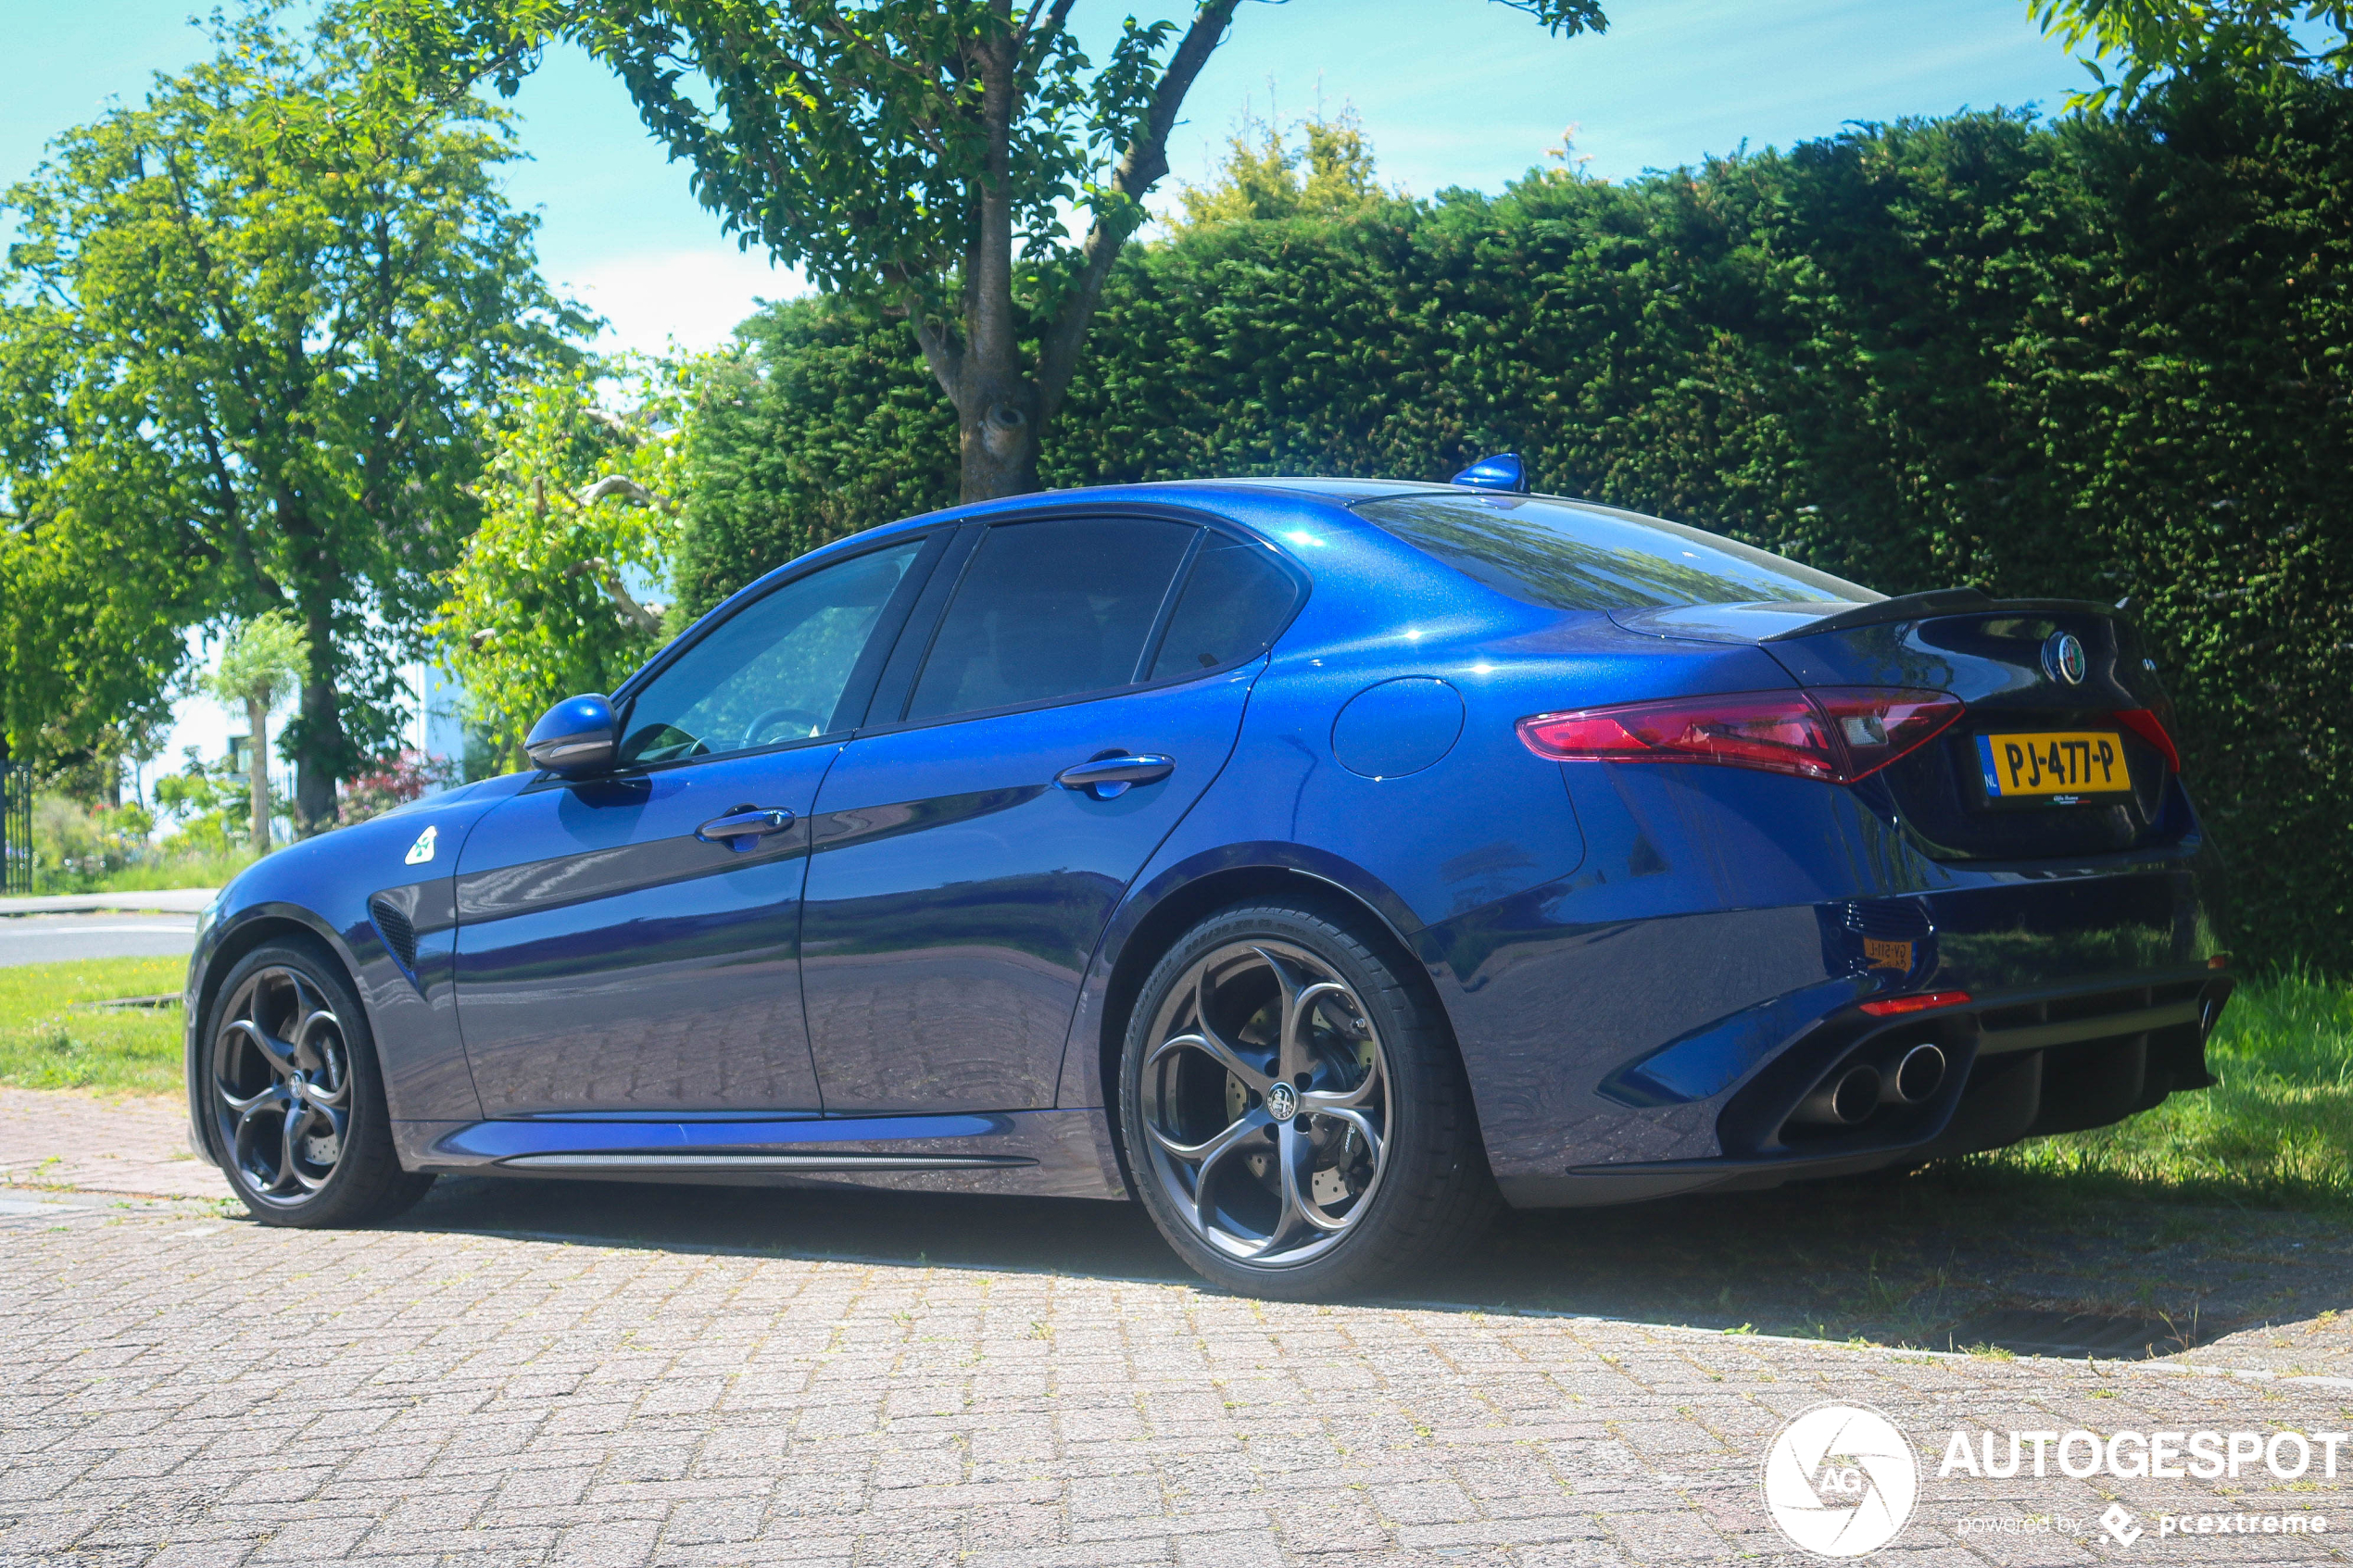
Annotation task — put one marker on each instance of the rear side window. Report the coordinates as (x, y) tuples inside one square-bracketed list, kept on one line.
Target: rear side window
[(1236, 599), (1567, 556), (1050, 610)]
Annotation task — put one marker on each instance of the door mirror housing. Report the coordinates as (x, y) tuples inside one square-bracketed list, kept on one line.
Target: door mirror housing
[(576, 738)]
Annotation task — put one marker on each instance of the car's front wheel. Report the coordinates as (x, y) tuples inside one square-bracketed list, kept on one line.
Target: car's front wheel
[(1295, 1118), (293, 1101)]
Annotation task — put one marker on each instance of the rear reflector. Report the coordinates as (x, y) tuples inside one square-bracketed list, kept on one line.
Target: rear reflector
[(2144, 723), (1838, 734), (1887, 1007)]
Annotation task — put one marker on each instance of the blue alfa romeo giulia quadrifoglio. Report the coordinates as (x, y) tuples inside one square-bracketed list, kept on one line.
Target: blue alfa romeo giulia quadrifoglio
[(1320, 862)]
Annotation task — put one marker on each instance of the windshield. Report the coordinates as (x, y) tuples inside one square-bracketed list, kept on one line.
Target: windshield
[(1565, 556)]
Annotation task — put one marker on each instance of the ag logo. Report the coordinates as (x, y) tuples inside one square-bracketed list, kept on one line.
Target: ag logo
[(421, 851), (1840, 1481)]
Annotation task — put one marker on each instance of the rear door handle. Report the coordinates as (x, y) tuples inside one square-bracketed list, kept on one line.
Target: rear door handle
[(745, 826), (1107, 778)]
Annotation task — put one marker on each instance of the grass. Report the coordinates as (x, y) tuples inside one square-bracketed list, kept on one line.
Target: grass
[(2276, 1130), (194, 867), (189, 868), (52, 1037)]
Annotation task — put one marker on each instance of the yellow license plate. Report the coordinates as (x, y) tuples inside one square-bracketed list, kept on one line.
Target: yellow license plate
[(2054, 764)]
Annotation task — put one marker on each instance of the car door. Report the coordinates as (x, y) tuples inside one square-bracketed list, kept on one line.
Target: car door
[(626, 944), (1082, 684)]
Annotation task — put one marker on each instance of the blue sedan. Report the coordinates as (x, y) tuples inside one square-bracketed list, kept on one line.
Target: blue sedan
[(1321, 863)]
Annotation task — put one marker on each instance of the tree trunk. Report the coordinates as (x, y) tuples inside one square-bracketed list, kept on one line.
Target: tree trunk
[(996, 405), (318, 767), (315, 769), (258, 769), (999, 432), (1001, 411)]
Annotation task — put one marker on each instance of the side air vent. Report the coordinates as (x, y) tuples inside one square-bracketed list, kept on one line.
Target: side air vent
[(398, 934)]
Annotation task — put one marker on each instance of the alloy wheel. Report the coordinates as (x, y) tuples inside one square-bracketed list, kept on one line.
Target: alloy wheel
[(280, 1087), (1266, 1103)]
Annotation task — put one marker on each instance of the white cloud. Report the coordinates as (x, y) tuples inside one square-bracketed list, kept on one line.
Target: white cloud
[(694, 298)]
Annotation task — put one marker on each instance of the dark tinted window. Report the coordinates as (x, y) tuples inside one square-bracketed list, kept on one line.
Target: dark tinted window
[(1050, 610), (774, 671), (1235, 600), (1568, 556)]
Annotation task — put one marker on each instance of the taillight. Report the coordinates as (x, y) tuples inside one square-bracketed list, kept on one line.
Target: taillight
[(2145, 722), (1839, 734), (1891, 1007)]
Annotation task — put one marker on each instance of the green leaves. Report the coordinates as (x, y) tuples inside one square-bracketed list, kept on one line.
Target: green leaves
[(2150, 40), (264, 659), (263, 308), (578, 500), (917, 154)]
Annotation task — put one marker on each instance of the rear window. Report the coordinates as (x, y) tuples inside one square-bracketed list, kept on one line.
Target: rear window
[(1564, 556)]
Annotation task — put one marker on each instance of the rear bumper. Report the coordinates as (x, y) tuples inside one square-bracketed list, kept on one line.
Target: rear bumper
[(2021, 1063), (1627, 1017)]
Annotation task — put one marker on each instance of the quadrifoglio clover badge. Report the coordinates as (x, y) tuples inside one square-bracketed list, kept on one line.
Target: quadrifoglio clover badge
[(1840, 1481)]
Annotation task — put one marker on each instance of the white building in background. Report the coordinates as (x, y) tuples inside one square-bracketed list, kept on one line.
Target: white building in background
[(440, 724)]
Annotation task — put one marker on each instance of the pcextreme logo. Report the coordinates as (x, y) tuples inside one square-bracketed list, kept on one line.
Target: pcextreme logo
[(1840, 1481)]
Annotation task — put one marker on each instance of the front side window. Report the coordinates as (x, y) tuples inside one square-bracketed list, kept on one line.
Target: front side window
[(1563, 555), (774, 671), (1050, 610)]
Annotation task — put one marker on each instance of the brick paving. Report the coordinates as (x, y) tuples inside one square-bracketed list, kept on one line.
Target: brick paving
[(187, 1388), (127, 1144)]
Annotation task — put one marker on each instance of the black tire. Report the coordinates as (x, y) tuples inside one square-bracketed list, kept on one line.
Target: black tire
[(1376, 1200), (292, 1097)]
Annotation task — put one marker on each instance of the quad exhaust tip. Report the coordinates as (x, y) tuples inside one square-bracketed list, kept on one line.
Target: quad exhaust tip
[(1843, 1100), (1848, 1098), (1916, 1077)]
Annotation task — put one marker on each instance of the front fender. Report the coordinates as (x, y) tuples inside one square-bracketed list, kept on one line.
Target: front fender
[(322, 887)]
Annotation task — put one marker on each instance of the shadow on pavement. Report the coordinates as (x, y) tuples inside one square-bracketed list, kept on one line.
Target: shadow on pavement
[(1915, 1262)]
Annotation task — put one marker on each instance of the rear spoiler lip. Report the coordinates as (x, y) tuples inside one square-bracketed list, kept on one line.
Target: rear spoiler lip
[(1935, 602)]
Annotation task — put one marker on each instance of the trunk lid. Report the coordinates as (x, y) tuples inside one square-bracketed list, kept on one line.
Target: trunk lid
[(1976, 792)]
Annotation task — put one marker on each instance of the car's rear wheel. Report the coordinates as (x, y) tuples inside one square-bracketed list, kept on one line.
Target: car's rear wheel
[(1295, 1118), (293, 1099)]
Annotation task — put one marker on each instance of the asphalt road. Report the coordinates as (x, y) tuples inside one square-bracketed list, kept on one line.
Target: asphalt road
[(98, 934)]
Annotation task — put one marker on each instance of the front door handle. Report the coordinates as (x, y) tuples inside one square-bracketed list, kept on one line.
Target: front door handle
[(745, 826), (1107, 778)]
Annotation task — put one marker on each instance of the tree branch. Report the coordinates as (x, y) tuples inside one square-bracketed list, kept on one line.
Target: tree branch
[(616, 485), (644, 619), (1140, 167), (942, 352), (1056, 20)]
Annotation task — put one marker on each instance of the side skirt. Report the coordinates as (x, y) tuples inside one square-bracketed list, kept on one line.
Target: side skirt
[(1035, 1153)]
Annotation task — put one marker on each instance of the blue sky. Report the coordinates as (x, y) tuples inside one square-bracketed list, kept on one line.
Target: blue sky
[(1451, 93)]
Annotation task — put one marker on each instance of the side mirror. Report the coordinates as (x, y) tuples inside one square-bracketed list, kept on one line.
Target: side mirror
[(577, 737)]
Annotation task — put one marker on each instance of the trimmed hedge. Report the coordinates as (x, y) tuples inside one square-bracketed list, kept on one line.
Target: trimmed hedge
[(2100, 358)]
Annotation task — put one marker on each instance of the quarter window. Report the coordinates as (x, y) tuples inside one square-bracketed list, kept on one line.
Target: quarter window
[(1050, 610), (775, 671), (1236, 599)]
